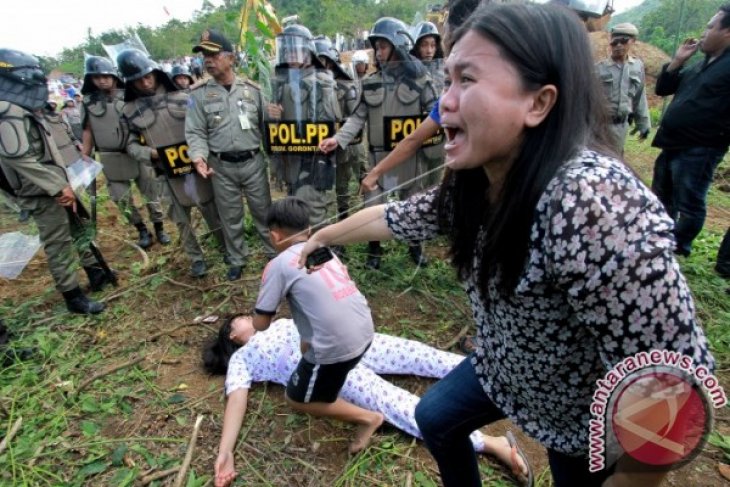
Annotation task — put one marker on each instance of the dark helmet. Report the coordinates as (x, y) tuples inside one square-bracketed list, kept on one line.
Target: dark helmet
[(22, 80), (295, 39), (326, 49), (425, 29), (323, 46), (179, 70), (392, 30), (133, 65), (21, 67), (97, 65)]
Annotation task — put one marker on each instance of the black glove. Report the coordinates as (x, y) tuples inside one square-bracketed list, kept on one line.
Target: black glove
[(631, 118)]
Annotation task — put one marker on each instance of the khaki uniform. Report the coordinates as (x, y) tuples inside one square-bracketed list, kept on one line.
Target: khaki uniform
[(221, 126), (348, 159), (160, 120), (103, 114), (312, 98), (389, 94), (624, 87), (30, 167), (63, 136)]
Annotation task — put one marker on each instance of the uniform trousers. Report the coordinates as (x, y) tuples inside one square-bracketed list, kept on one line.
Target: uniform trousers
[(57, 236), (121, 193), (231, 181)]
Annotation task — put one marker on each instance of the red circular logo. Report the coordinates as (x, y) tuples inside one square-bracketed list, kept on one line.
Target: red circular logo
[(661, 418)]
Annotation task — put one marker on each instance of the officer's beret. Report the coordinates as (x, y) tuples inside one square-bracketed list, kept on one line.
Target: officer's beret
[(625, 29), (213, 41)]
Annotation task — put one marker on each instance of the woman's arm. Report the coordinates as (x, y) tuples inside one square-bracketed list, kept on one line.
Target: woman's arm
[(405, 149), (232, 419), (365, 225)]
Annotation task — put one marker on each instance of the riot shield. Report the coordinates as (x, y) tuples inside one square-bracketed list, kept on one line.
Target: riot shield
[(160, 120), (305, 113)]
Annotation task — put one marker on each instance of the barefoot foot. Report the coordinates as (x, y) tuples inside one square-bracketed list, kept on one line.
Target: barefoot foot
[(365, 432)]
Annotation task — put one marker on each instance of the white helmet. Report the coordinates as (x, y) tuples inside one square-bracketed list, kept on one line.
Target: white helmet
[(360, 57)]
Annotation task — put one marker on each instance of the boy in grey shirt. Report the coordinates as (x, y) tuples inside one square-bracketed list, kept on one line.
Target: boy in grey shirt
[(332, 316)]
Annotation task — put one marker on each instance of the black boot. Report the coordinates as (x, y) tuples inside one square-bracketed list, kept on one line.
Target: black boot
[(98, 279), (10, 355), (374, 253), (161, 235), (723, 257), (145, 238), (416, 253), (342, 214), (77, 302)]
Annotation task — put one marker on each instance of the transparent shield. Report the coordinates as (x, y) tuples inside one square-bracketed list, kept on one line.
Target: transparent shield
[(303, 110), (293, 51), (16, 251)]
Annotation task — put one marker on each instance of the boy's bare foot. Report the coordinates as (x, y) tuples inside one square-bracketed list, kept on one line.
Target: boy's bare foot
[(365, 432)]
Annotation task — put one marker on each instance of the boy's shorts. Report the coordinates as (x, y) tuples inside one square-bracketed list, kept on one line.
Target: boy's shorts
[(319, 382)]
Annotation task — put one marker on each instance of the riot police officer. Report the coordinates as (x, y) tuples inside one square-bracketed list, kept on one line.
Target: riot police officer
[(348, 95), (430, 52), (181, 76), (154, 111), (101, 112), (62, 134), (223, 127), (31, 171), (303, 96), (398, 95)]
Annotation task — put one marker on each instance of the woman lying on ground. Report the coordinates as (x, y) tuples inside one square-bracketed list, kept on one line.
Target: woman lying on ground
[(247, 356)]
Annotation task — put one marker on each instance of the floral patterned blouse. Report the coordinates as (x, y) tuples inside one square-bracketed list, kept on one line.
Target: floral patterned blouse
[(600, 284)]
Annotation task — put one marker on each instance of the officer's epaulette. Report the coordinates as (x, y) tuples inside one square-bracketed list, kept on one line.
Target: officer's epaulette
[(250, 83)]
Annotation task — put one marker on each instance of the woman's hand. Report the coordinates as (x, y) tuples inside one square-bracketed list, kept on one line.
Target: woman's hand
[(369, 183), (310, 246), (224, 469)]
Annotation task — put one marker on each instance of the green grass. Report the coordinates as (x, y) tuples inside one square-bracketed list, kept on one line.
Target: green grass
[(134, 420)]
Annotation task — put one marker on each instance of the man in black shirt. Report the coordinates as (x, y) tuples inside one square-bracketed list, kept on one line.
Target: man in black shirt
[(695, 131)]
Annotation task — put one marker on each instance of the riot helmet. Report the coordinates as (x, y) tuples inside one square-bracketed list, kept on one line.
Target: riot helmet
[(325, 49), (133, 65), (94, 66), (22, 80), (295, 48), (323, 46), (360, 60), (179, 70), (423, 30), (394, 31)]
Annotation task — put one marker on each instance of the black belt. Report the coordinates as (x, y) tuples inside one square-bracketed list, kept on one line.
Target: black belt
[(619, 120), (237, 156)]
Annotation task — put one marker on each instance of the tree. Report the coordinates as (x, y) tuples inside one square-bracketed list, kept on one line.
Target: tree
[(677, 19)]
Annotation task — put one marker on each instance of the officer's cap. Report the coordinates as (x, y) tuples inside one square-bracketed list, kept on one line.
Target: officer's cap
[(625, 29), (214, 42)]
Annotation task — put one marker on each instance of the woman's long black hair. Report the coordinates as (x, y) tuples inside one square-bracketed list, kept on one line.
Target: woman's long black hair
[(218, 352), (547, 44)]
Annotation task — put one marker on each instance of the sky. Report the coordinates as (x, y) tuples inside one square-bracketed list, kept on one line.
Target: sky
[(45, 27)]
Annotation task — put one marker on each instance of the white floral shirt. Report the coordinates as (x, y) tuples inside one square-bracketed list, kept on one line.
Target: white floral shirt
[(601, 283)]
